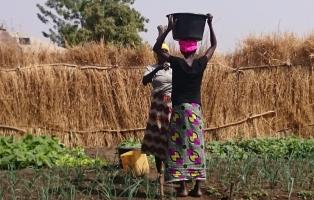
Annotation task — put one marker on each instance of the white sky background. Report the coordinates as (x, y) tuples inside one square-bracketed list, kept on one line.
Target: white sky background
[(233, 19)]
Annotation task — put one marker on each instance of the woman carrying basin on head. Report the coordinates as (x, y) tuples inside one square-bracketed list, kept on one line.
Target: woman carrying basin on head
[(186, 155)]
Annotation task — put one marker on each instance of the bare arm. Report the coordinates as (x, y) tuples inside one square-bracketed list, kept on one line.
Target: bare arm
[(148, 78), (213, 42), (157, 47)]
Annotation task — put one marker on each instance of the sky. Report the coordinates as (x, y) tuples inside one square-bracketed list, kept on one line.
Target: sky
[(233, 20)]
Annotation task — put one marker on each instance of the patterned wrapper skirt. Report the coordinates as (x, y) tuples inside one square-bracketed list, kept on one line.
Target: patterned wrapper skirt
[(186, 154), (155, 138)]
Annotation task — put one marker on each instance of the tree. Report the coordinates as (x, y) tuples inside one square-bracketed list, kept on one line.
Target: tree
[(76, 21)]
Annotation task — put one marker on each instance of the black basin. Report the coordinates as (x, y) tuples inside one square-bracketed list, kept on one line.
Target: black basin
[(189, 26)]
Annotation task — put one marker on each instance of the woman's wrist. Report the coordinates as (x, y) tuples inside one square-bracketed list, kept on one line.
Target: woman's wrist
[(159, 67), (167, 30)]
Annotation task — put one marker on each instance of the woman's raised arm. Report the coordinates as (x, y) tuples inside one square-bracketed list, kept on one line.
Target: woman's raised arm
[(213, 42), (157, 47)]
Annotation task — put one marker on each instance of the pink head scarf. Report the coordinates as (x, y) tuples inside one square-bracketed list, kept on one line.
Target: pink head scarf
[(188, 45)]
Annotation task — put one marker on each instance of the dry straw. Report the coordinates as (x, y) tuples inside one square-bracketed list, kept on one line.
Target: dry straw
[(80, 106)]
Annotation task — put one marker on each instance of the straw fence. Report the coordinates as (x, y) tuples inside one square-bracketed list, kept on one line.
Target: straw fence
[(99, 105)]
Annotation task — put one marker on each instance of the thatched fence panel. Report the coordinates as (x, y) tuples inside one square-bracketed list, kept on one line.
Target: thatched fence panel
[(98, 106)]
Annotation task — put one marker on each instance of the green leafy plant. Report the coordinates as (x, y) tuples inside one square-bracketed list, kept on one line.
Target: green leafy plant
[(41, 151), (130, 143), (270, 147), (306, 195)]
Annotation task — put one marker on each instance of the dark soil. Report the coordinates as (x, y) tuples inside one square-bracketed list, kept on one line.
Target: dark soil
[(212, 189)]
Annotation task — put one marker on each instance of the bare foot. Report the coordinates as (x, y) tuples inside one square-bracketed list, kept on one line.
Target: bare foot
[(195, 193), (182, 191)]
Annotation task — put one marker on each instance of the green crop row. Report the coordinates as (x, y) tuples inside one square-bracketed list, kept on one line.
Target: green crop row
[(40, 151), (270, 147)]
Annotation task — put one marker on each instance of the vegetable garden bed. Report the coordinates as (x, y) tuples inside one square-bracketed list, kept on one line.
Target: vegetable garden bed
[(252, 169)]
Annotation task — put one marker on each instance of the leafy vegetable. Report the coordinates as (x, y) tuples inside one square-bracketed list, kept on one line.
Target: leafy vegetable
[(40, 151), (130, 143), (270, 147)]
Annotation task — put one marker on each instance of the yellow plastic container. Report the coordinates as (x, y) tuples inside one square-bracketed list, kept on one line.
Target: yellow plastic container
[(135, 161)]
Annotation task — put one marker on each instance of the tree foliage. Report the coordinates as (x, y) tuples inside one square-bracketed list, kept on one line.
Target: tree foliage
[(76, 21)]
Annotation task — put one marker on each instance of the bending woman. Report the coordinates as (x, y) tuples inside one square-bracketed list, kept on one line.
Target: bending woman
[(186, 155)]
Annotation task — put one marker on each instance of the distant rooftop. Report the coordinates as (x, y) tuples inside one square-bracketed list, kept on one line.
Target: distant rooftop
[(26, 42)]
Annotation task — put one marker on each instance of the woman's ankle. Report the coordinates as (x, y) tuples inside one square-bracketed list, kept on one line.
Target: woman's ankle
[(182, 192), (196, 192)]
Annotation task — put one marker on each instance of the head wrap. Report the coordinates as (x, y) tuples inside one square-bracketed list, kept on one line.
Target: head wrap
[(187, 45), (165, 47)]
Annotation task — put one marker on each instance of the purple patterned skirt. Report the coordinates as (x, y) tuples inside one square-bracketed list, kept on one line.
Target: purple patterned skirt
[(186, 152)]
